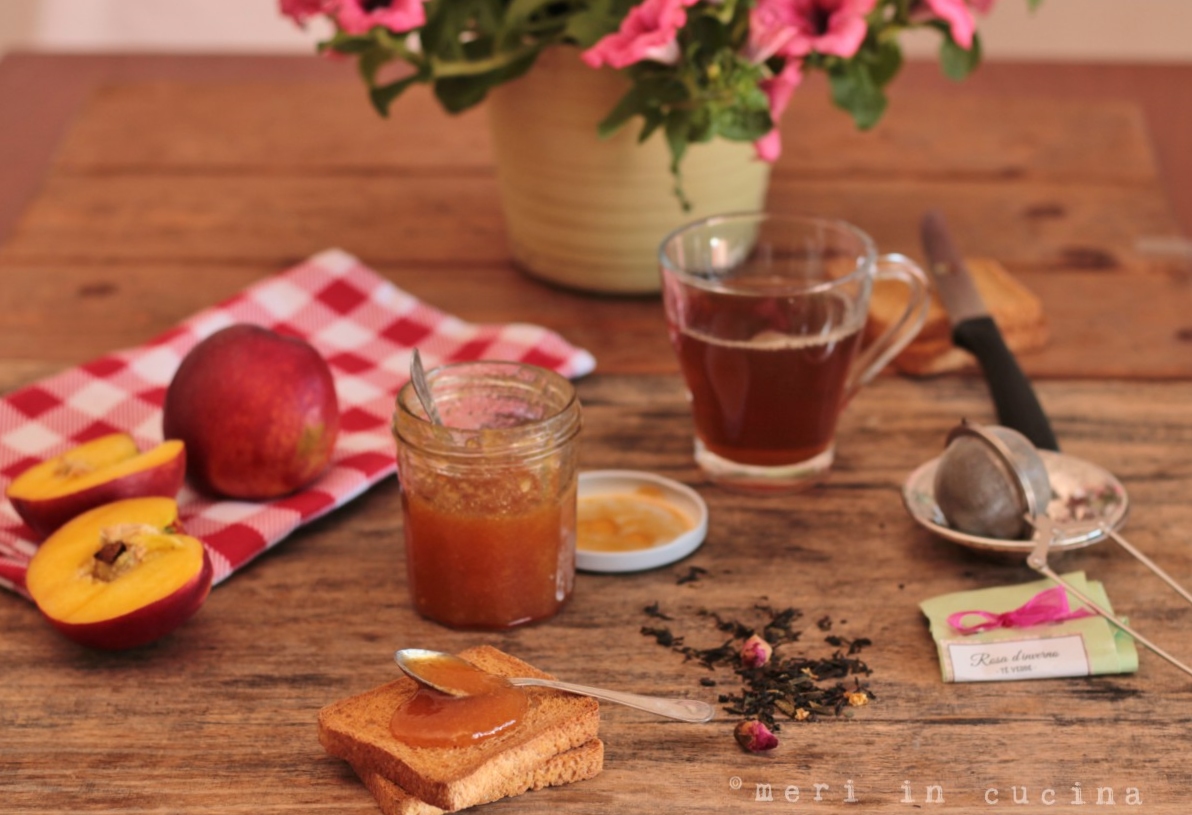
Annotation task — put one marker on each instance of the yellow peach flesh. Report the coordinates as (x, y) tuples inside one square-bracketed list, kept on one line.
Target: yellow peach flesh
[(96, 462), (61, 576)]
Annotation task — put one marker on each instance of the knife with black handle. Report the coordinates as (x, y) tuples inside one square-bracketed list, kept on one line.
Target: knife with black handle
[(974, 330)]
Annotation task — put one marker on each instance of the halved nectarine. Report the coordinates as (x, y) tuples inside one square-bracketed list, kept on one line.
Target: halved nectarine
[(106, 469), (120, 575)]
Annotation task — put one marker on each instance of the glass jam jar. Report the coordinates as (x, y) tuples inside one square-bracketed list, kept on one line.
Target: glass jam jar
[(489, 496)]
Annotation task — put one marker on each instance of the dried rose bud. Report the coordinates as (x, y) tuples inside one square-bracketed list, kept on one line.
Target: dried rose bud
[(755, 652), (754, 736)]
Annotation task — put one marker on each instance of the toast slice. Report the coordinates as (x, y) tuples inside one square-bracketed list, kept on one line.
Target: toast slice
[(1015, 309), (577, 764), (450, 778)]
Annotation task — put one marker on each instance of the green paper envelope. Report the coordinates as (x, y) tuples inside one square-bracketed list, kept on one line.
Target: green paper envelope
[(1083, 647)]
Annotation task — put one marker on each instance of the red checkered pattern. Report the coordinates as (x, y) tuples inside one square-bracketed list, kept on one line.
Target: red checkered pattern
[(364, 327)]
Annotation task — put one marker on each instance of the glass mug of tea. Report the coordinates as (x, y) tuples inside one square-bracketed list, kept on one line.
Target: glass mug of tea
[(767, 313)]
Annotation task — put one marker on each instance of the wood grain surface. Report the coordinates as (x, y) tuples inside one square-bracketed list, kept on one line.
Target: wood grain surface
[(158, 176), (150, 187), (220, 716)]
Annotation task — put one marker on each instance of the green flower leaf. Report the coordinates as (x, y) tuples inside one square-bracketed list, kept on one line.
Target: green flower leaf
[(592, 21), (677, 128), (348, 44), (885, 61), (467, 47), (633, 103), (854, 90), (382, 96), (651, 94), (653, 119), (743, 124), (458, 93), (956, 62)]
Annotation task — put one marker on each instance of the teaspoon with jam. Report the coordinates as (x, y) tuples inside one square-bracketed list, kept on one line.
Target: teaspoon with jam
[(453, 676)]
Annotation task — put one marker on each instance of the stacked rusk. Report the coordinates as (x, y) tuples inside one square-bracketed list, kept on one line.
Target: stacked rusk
[(1017, 311), (555, 743)]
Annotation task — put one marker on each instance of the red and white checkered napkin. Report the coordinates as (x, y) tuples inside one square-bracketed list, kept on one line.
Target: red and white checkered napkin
[(364, 327)]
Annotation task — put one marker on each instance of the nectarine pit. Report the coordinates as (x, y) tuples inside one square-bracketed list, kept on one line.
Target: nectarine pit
[(110, 551), (121, 551)]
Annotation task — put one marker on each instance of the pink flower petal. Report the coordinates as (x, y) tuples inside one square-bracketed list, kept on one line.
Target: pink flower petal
[(647, 32), (302, 10), (958, 17), (399, 16), (795, 28), (779, 90)]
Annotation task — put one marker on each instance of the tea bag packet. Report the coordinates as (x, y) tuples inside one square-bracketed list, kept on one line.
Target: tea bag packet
[(1028, 631)]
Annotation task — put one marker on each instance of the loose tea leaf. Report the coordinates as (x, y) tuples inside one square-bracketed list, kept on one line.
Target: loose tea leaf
[(652, 611), (663, 635), (797, 688), (854, 646)]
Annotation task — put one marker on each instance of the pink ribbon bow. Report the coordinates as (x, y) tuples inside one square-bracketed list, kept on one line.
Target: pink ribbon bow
[(1048, 606)]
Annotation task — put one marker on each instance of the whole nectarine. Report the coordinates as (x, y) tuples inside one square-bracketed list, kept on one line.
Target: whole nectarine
[(106, 469), (120, 575), (257, 412)]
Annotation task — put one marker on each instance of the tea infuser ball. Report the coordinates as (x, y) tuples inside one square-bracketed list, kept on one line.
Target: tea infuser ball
[(988, 480)]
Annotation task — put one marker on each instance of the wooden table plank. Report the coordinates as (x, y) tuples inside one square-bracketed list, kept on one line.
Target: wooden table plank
[(219, 717), (45, 92), (153, 175), (312, 127), (323, 127), (1072, 244), (456, 219), (926, 140), (62, 315), (1163, 91), (216, 718)]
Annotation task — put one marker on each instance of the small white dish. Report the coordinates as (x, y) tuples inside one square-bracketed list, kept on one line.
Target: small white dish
[(655, 488)]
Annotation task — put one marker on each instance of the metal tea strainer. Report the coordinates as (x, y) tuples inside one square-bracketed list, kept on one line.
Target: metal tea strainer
[(992, 490), (1084, 499)]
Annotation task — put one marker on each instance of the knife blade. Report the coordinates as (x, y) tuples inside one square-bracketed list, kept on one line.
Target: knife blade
[(974, 330)]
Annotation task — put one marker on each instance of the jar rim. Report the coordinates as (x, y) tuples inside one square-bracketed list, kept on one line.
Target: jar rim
[(549, 391)]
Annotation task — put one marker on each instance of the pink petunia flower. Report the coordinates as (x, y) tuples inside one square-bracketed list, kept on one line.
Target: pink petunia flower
[(795, 28), (647, 32), (959, 18), (302, 10), (779, 90), (360, 16)]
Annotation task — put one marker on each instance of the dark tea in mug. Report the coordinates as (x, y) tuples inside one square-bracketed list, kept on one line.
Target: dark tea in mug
[(769, 401), (766, 315)]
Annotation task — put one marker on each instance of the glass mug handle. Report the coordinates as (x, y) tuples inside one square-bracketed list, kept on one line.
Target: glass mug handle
[(878, 354)]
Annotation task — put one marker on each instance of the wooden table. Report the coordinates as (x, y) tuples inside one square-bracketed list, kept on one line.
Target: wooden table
[(176, 181)]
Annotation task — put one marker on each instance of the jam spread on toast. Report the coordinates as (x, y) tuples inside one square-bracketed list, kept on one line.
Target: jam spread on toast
[(480, 706)]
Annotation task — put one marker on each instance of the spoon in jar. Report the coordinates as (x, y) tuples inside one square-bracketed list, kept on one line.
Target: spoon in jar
[(457, 677), (422, 389)]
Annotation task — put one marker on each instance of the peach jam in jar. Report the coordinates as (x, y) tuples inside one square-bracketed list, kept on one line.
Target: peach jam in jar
[(489, 497)]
